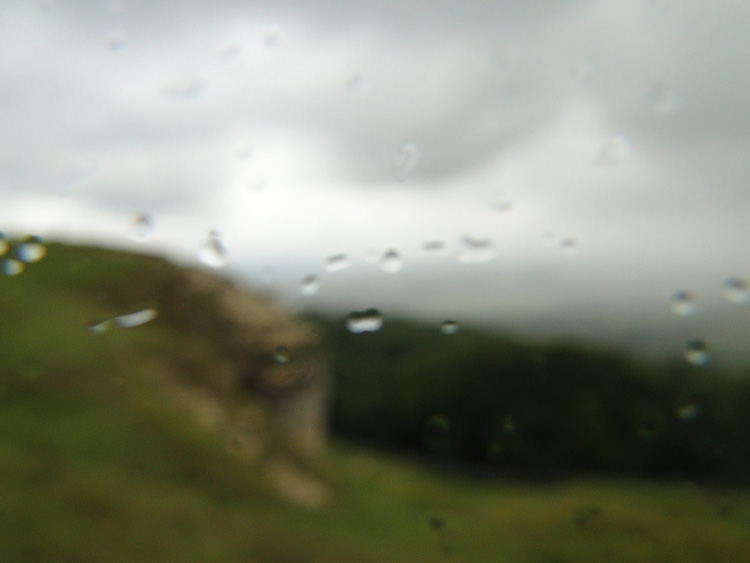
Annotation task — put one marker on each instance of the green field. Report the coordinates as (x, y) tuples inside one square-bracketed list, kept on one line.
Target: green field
[(98, 464)]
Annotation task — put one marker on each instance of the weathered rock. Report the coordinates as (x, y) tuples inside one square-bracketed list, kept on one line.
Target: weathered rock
[(268, 355)]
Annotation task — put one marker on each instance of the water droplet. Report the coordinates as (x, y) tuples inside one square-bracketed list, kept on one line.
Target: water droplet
[(142, 227), (475, 250), (243, 150), (434, 246), (613, 152), (185, 88), (683, 303), (696, 352), (337, 262), (663, 100), (568, 244), (101, 327), (271, 37), (688, 411), (31, 249), (502, 202), (4, 245), (391, 261), (449, 327), (405, 161), (736, 290), (135, 319), (281, 355), (116, 39), (369, 320), (12, 267), (310, 284), (213, 253), (437, 434)]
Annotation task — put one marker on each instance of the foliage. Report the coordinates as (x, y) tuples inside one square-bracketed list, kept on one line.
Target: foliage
[(539, 409)]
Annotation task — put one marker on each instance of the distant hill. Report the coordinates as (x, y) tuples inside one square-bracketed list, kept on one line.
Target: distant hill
[(87, 321), (156, 413), (536, 408)]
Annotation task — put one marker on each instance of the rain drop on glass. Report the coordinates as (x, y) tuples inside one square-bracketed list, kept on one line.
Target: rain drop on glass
[(663, 100), (369, 320), (281, 355), (337, 262), (142, 226), (309, 285), (405, 161), (12, 267), (736, 290), (449, 327), (683, 303), (137, 318), (475, 250), (391, 261), (568, 244), (213, 252), (434, 246), (696, 352), (31, 249)]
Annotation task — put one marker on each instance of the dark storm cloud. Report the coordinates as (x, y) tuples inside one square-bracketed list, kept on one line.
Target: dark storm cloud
[(452, 78), (458, 80), (465, 82), (619, 123)]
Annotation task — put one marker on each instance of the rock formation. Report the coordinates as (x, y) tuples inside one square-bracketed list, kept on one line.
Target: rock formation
[(268, 358)]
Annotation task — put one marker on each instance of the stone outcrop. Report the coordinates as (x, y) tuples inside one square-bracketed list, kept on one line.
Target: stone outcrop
[(268, 357)]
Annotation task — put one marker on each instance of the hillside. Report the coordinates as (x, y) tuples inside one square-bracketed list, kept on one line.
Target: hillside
[(153, 413)]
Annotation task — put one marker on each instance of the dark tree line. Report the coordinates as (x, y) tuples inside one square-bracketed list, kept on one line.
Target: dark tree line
[(541, 410)]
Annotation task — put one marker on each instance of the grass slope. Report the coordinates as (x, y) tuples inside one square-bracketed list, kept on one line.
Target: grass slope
[(97, 465)]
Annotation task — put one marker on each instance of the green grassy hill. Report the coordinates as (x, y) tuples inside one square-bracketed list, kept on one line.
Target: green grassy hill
[(124, 443)]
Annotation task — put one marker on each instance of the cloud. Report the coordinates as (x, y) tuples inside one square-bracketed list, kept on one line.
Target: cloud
[(615, 131)]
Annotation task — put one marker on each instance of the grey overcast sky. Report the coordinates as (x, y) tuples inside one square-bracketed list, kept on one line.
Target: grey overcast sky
[(579, 161)]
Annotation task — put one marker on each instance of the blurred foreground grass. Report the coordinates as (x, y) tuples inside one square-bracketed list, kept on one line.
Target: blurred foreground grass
[(97, 465)]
